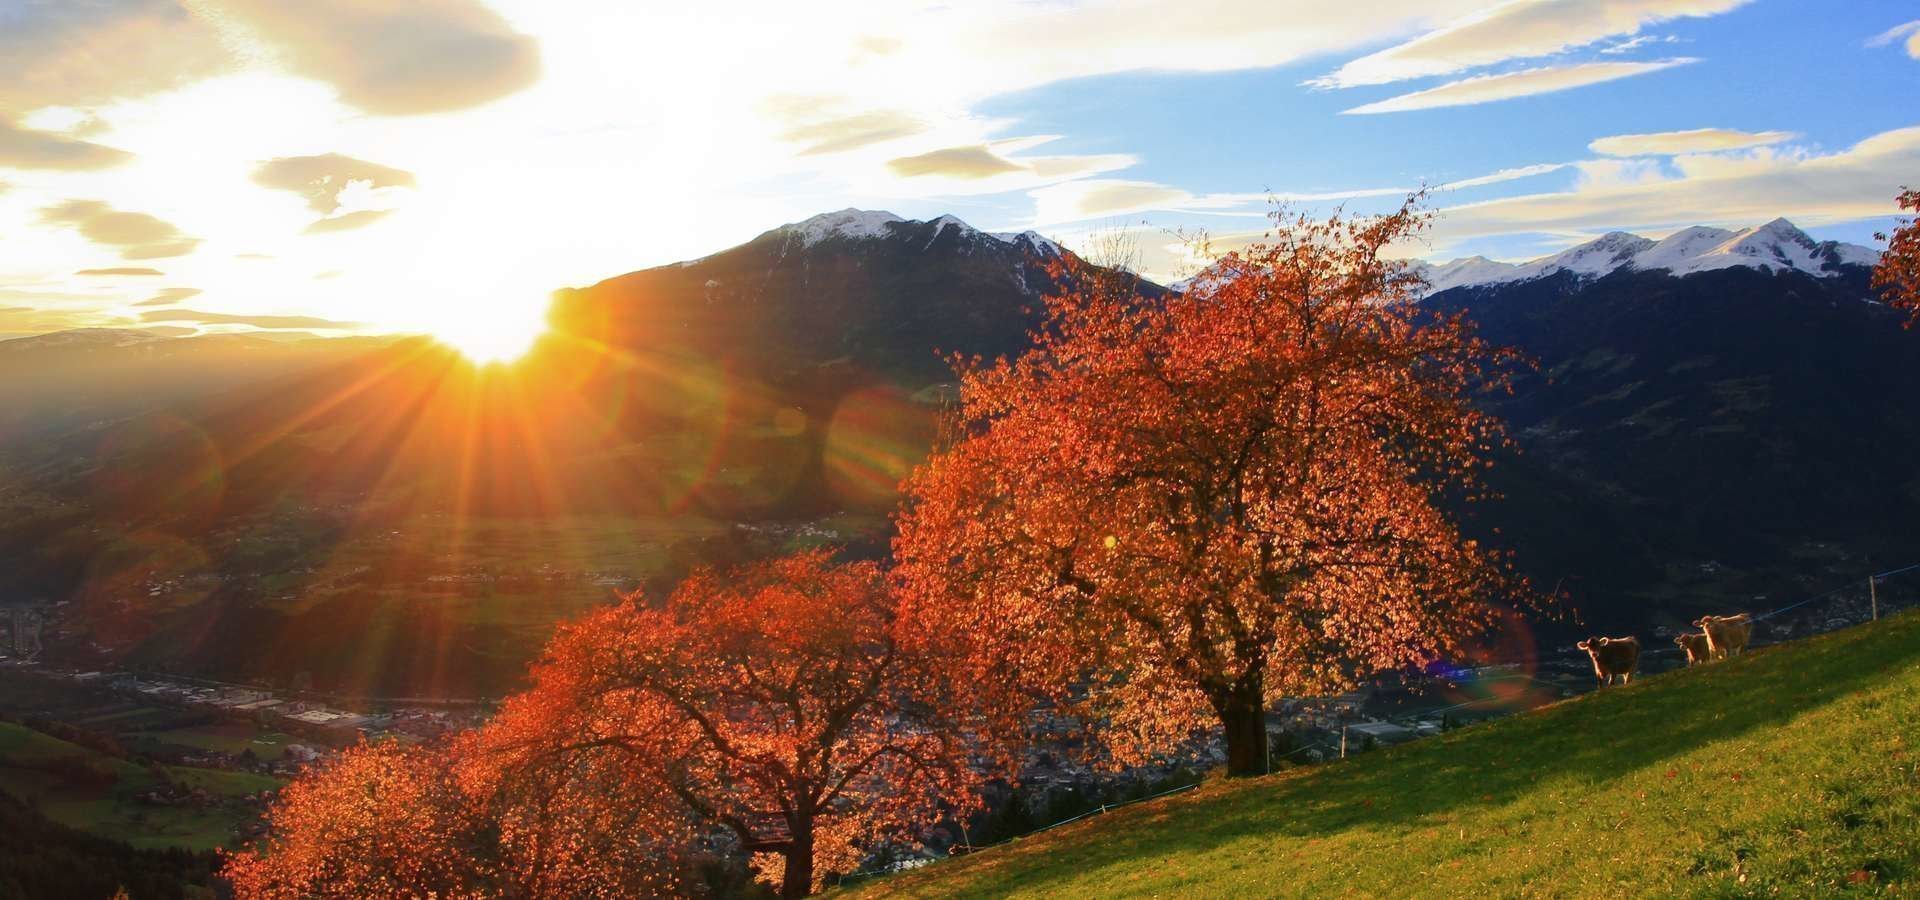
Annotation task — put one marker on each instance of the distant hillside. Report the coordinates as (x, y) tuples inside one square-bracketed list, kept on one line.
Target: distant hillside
[(1790, 772), (1702, 443)]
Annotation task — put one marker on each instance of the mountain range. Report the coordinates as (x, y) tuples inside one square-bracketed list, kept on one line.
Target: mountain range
[(1777, 246), (1716, 422)]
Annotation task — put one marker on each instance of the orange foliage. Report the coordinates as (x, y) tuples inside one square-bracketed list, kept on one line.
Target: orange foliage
[(1179, 509), (773, 701), (384, 820), (1898, 274)]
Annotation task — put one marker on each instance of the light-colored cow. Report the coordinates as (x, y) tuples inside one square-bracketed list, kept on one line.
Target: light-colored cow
[(1613, 658), (1726, 635), (1695, 643)]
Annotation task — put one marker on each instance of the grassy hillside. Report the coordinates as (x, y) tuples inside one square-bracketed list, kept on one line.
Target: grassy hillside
[(1792, 771), (97, 793)]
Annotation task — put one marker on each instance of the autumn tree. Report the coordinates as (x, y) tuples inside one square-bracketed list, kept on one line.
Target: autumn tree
[(774, 701), (1172, 511), (1898, 274), (390, 820)]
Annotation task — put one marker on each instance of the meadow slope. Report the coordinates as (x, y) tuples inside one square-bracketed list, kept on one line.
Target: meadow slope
[(1790, 771)]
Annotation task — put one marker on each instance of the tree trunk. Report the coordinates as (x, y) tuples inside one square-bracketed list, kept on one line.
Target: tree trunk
[(798, 879), (1243, 719)]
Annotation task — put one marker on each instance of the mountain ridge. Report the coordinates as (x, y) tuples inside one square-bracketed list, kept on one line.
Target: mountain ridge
[(1778, 245)]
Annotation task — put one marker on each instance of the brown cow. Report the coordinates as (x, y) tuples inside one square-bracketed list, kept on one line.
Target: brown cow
[(1613, 657), (1695, 643), (1726, 635)]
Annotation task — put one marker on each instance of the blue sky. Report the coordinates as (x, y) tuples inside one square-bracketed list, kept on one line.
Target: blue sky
[(444, 165), (1800, 66)]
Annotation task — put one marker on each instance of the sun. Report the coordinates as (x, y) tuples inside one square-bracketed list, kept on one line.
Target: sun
[(499, 334)]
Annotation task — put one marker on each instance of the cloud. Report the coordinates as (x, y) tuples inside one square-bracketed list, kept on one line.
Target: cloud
[(266, 322), (1597, 173), (92, 53), (1524, 83), (169, 296), (1000, 165), (843, 133), (347, 221), (1514, 174), (1909, 32), (135, 235), (1698, 140), (1519, 29), (1718, 189), (321, 179), (121, 270), (25, 148), (395, 59), (1074, 201), (975, 161)]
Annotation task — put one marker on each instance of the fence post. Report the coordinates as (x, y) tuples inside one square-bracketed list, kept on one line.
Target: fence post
[(1873, 596), (1343, 742)]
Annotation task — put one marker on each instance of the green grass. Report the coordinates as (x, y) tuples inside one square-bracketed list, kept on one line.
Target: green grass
[(94, 792), (224, 737), (1790, 771)]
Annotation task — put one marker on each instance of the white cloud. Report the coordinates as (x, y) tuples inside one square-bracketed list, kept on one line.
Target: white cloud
[(1598, 173), (1909, 32), (1520, 29), (422, 56), (1504, 175), (1076, 201), (1698, 140), (1524, 83), (1724, 189)]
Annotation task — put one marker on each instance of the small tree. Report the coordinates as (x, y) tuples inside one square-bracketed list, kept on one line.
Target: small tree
[(1898, 274), (387, 820), (1181, 508), (774, 701)]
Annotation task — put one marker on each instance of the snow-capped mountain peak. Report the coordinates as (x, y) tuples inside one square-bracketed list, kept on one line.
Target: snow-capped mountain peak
[(1472, 270), (859, 224), (1778, 245), (848, 223)]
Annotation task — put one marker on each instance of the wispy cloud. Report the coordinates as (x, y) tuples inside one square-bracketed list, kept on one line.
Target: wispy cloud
[(346, 221), (1909, 33), (170, 296), (1504, 175), (1711, 189), (324, 178), (1698, 140), (26, 148), (423, 56), (121, 270), (260, 321), (822, 125), (1075, 201), (135, 235), (1524, 83), (1519, 29)]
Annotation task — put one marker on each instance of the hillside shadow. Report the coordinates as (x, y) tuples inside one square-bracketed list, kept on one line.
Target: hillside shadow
[(1596, 739)]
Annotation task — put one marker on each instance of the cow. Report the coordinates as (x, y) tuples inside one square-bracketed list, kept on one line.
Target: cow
[(1726, 635), (1613, 657), (1695, 643)]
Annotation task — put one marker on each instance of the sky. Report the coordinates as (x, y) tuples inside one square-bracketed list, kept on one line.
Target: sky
[(445, 165)]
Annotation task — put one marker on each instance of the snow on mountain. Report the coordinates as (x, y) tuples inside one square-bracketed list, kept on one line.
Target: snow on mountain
[(859, 224), (1594, 258), (1775, 246), (847, 223), (1472, 270)]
